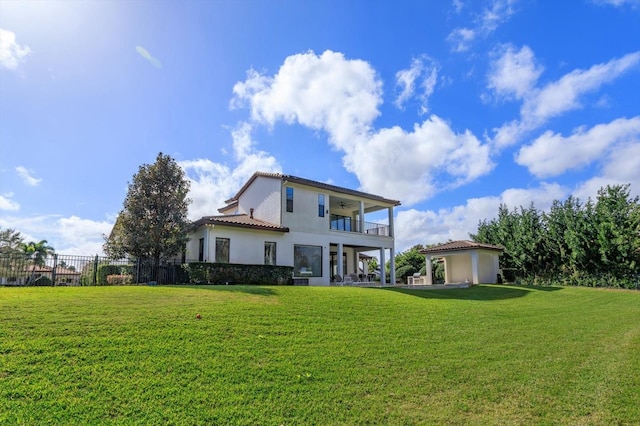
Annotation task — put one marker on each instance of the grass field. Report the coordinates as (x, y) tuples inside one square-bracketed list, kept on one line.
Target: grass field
[(323, 356)]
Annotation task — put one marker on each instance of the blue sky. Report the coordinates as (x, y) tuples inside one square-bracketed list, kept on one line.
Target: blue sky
[(451, 107)]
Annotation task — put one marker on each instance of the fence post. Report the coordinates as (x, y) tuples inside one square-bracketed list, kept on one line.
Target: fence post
[(95, 270), (53, 271)]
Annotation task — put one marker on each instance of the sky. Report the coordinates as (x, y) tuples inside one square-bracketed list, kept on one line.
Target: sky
[(451, 107)]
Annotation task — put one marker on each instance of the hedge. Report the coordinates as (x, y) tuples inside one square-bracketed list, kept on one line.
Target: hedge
[(229, 273)]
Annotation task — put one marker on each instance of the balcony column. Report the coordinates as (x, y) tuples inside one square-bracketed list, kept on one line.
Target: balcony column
[(392, 266), (361, 217), (391, 231), (340, 271), (383, 273)]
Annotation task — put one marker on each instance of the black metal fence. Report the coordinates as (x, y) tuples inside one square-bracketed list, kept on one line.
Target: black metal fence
[(69, 270)]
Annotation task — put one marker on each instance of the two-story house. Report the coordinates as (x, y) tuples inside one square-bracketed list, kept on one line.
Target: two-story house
[(318, 229)]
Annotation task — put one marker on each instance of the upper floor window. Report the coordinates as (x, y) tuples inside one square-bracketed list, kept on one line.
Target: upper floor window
[(320, 205), (222, 250), (289, 199)]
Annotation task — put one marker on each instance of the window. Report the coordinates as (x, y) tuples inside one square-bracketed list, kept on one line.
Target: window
[(320, 205), (269, 253), (340, 223), (307, 261), (289, 199), (222, 250), (201, 250)]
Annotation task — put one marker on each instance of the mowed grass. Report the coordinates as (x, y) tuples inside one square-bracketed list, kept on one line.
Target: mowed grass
[(310, 355)]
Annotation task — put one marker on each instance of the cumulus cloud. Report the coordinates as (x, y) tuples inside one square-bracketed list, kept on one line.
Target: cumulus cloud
[(27, 176), (340, 96), (514, 73), (556, 98), (422, 72), (620, 167), (429, 159), (213, 183), (146, 55), (68, 235), (552, 154), (430, 227), (6, 203), (11, 53)]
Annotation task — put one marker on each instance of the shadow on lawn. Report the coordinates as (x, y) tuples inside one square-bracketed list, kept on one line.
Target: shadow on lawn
[(248, 289), (481, 292)]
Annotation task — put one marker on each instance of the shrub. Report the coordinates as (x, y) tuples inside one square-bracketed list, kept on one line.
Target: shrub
[(105, 270), (229, 273), (41, 281), (121, 279), (405, 271)]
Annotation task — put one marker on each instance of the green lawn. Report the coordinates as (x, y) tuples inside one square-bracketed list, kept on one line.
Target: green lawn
[(322, 356)]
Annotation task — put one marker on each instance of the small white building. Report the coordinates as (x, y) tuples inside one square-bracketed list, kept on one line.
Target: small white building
[(318, 229), (465, 262)]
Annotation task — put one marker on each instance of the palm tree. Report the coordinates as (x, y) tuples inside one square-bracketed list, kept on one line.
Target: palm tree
[(37, 253)]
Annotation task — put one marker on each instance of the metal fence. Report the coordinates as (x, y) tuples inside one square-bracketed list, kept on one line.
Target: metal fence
[(69, 270)]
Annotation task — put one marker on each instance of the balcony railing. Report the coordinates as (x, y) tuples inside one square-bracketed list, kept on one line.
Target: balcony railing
[(347, 224)]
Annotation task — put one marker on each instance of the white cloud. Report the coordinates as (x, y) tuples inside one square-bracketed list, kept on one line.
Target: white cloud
[(430, 227), (424, 161), (326, 92), (514, 73), (424, 71), (341, 97), (458, 5), (552, 154), (618, 3), (146, 55), (561, 96), (6, 203), (498, 12), (27, 177), (11, 53), (461, 38), (213, 183), (67, 235), (621, 166)]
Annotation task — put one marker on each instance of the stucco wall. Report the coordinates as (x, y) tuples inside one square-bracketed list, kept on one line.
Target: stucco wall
[(304, 217), (263, 195), (458, 268)]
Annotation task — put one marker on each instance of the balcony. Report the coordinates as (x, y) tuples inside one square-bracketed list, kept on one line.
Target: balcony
[(348, 224)]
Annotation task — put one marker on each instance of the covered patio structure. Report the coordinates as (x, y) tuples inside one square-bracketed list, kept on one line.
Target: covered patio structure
[(465, 262)]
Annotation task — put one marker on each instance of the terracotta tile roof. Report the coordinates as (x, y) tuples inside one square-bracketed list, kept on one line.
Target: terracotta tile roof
[(460, 245), (239, 220), (313, 183)]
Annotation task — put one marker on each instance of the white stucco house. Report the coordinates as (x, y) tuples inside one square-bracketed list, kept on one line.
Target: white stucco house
[(316, 228), (465, 262)]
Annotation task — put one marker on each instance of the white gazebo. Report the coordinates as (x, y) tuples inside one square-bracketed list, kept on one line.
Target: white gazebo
[(465, 262)]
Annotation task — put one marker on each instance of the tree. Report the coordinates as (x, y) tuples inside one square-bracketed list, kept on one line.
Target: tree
[(10, 242), (618, 230), (37, 253), (153, 221)]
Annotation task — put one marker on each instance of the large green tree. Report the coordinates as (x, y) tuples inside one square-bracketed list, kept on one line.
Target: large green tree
[(592, 243), (153, 221), (618, 230)]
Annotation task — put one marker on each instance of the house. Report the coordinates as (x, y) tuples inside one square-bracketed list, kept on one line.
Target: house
[(318, 229), (465, 261)]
